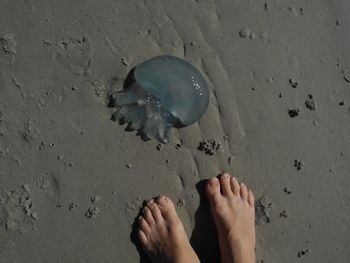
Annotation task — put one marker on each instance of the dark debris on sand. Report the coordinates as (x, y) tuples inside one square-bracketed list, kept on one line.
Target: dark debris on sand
[(284, 213), (159, 147), (303, 253), (310, 103), (72, 206), (293, 83), (92, 212), (210, 146), (293, 112), (298, 164), (287, 190)]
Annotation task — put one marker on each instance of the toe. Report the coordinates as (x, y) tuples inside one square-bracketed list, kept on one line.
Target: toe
[(225, 184), (167, 208), (147, 214), (142, 237), (156, 214), (213, 189), (143, 225), (235, 186), (232, 183), (251, 198), (243, 191)]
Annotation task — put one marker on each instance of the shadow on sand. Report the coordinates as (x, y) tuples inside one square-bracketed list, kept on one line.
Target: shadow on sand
[(134, 239)]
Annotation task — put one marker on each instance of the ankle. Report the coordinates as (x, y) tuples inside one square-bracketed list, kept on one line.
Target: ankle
[(246, 240), (242, 248), (184, 254), (243, 256)]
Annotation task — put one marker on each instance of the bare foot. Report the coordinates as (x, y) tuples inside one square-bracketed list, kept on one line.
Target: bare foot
[(162, 234), (232, 207)]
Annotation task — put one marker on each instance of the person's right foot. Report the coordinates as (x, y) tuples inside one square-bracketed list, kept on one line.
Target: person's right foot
[(232, 207), (162, 234)]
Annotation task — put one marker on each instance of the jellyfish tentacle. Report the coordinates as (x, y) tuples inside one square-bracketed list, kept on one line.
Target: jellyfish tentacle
[(167, 132), (149, 126), (120, 113), (134, 113), (143, 112), (160, 132), (123, 98), (137, 124), (150, 111), (163, 133)]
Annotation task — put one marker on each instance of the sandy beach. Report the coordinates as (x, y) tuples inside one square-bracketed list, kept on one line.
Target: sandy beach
[(72, 181)]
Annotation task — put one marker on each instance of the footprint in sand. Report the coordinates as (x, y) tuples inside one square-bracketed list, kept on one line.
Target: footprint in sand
[(7, 49), (75, 55)]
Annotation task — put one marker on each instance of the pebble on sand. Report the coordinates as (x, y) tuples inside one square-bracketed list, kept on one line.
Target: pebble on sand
[(34, 215), (287, 190), (244, 33)]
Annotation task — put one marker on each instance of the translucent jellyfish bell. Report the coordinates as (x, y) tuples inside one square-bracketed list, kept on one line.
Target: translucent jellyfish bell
[(165, 92)]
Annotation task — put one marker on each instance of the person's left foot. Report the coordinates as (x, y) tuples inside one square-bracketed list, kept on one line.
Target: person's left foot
[(163, 235)]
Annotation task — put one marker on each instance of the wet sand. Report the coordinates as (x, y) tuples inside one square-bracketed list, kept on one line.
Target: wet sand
[(72, 180)]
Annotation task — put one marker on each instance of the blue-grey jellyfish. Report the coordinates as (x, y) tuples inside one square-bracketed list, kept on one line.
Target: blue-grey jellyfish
[(165, 92)]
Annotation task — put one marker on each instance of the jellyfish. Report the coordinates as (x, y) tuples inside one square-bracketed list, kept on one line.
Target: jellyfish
[(164, 92)]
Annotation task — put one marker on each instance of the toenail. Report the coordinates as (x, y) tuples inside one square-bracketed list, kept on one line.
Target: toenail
[(151, 201), (213, 182), (225, 175), (162, 199)]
